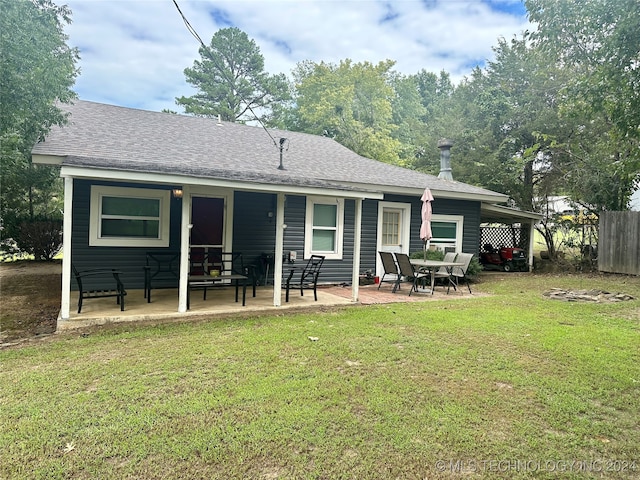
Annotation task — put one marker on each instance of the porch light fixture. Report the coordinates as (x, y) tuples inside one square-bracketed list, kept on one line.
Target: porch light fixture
[(177, 193)]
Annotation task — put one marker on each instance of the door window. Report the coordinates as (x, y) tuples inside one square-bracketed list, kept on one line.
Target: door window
[(391, 225)]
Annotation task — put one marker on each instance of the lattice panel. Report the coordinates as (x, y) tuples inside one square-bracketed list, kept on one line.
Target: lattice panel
[(510, 237)]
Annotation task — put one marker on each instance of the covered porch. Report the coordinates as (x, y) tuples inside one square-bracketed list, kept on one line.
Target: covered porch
[(220, 303), (242, 229)]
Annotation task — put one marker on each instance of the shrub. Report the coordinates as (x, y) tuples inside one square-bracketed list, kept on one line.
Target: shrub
[(475, 267), (431, 254), (40, 238)]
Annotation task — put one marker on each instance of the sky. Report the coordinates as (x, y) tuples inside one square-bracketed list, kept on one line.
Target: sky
[(133, 52)]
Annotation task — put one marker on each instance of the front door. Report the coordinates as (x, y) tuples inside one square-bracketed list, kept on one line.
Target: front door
[(207, 220), (394, 227)]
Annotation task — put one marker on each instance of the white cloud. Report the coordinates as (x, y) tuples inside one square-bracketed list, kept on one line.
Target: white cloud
[(133, 53)]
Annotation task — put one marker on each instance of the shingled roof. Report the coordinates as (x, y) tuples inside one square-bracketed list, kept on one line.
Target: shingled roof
[(118, 138)]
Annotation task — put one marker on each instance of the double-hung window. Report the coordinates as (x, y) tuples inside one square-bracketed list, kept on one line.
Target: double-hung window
[(129, 217), (447, 232), (323, 227)]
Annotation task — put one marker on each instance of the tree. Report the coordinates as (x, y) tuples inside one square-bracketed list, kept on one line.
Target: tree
[(439, 119), (600, 39), (407, 117), (37, 69), (232, 82), (493, 118), (351, 103)]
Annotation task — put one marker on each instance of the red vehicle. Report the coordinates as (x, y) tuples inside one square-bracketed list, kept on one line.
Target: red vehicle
[(503, 258)]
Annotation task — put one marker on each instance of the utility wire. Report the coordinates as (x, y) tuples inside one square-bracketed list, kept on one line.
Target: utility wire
[(206, 51)]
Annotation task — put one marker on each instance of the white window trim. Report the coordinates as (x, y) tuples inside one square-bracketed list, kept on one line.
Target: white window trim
[(459, 221), (308, 228), (99, 191)]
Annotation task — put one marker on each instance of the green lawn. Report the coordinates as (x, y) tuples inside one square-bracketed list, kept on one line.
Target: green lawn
[(509, 385)]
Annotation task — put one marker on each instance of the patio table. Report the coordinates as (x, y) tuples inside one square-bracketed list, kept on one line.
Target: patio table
[(207, 281), (433, 265)]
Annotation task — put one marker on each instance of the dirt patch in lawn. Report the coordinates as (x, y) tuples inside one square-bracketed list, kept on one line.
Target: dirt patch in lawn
[(29, 300)]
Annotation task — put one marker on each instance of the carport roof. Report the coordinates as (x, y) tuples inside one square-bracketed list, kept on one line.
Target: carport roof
[(500, 214)]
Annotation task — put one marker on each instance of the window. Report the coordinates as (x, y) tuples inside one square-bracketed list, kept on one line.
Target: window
[(129, 217), (391, 224), (447, 232), (323, 229)]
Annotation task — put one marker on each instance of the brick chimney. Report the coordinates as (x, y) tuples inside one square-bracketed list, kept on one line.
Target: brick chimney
[(445, 159)]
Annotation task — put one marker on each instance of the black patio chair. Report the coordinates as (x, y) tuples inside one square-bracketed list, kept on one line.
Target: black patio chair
[(104, 278), (408, 273), (162, 268), (390, 268), (308, 277)]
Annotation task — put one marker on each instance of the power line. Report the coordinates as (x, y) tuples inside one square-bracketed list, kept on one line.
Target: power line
[(206, 51)]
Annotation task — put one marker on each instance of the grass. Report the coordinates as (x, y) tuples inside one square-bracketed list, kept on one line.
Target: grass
[(510, 385)]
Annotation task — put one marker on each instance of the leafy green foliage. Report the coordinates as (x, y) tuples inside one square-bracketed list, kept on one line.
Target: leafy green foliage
[(41, 238), (351, 103), (429, 254), (438, 118), (37, 69), (598, 41), (231, 80)]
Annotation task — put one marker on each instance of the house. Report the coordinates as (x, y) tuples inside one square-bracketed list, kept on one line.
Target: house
[(137, 181)]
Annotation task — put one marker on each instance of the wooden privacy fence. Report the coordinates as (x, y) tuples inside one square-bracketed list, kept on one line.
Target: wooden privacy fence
[(619, 242)]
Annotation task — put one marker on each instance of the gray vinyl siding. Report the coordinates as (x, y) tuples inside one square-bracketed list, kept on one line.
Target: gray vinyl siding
[(254, 232), (333, 271), (129, 260), (369, 236)]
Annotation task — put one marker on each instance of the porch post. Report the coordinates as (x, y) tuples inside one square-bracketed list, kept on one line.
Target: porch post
[(185, 236), (67, 225), (357, 231), (277, 261), (532, 230)]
